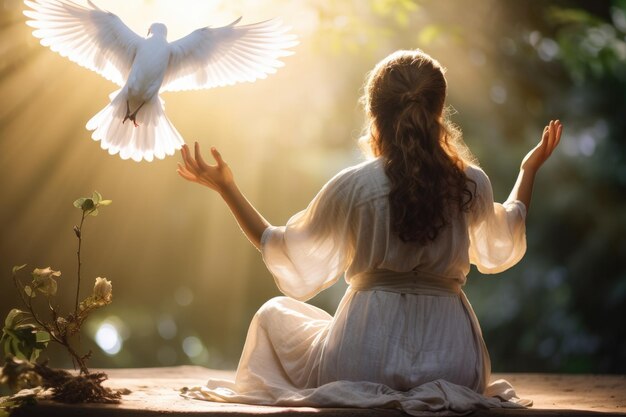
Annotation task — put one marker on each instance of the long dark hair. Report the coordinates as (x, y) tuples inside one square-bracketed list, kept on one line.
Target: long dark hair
[(423, 153)]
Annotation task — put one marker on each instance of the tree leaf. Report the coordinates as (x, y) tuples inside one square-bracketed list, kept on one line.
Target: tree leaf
[(16, 349), (6, 345), (25, 342), (93, 212), (11, 321), (88, 204), (97, 197), (17, 268), (105, 202), (29, 291), (79, 202), (42, 336)]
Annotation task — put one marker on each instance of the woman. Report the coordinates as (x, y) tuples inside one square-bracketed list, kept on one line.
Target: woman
[(404, 226)]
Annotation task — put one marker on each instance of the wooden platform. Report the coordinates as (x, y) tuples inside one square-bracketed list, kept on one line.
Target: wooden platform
[(155, 392)]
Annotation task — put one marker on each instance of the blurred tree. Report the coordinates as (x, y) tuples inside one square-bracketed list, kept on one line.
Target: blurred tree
[(565, 60)]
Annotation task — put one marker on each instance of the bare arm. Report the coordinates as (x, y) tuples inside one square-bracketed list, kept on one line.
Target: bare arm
[(220, 178), (523, 188)]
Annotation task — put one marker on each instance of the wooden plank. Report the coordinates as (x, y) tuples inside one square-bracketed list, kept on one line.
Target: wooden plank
[(155, 392)]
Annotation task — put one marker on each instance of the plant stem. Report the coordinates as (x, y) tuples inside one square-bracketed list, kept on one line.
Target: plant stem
[(80, 241), (77, 358)]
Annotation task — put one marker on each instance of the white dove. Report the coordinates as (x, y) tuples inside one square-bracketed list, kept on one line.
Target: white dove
[(134, 123)]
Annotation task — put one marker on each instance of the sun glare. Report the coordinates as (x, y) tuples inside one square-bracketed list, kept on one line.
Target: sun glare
[(182, 16)]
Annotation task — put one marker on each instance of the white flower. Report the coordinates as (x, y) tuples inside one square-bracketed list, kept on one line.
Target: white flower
[(44, 281), (45, 273), (103, 290)]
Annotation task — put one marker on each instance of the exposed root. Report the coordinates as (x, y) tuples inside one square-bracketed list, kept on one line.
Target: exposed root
[(68, 388)]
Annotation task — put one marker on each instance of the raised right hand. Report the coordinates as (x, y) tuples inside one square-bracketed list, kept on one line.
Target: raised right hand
[(217, 177)]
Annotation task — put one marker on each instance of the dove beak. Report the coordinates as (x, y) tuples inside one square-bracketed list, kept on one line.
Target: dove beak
[(149, 32)]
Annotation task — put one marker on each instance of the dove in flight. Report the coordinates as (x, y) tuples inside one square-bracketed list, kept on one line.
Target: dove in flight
[(134, 123)]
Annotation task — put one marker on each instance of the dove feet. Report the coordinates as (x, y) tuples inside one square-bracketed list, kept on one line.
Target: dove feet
[(132, 116)]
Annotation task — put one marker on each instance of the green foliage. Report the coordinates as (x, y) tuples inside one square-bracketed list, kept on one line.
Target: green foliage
[(359, 27), (16, 269), (590, 45), (90, 205), (22, 339), (398, 10), (572, 271)]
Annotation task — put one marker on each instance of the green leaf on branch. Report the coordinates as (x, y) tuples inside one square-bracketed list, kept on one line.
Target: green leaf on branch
[(13, 318), (29, 291), (21, 339), (90, 205), (17, 268), (79, 202), (42, 336), (84, 204), (22, 342)]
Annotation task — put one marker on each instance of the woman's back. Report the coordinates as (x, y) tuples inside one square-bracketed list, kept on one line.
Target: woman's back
[(347, 227), (377, 246)]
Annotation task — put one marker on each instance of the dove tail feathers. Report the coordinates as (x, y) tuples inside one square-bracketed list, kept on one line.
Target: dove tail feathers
[(155, 137)]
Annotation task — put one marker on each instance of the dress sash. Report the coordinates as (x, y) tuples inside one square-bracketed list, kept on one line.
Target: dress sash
[(411, 282)]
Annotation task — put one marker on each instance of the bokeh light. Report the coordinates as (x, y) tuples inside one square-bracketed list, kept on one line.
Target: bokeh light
[(167, 327), (108, 338), (183, 296)]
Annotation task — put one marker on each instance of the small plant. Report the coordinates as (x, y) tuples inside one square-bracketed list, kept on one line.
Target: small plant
[(28, 331)]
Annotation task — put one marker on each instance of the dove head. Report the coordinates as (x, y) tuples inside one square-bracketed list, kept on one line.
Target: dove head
[(158, 29)]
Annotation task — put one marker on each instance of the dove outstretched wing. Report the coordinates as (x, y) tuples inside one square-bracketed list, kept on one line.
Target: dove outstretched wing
[(212, 57), (91, 37)]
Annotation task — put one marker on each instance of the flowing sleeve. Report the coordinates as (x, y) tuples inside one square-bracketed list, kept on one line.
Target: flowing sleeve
[(311, 252), (497, 231)]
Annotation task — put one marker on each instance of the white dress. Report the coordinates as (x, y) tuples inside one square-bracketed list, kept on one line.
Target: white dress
[(404, 335)]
